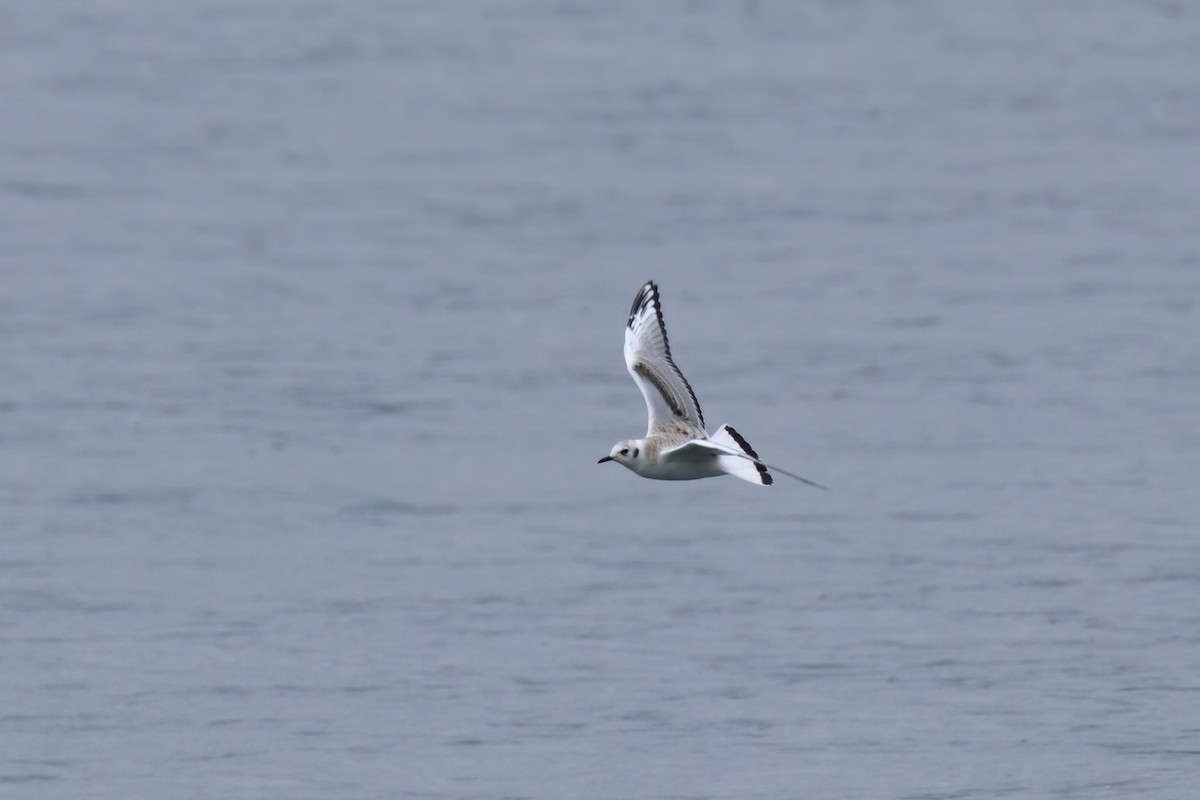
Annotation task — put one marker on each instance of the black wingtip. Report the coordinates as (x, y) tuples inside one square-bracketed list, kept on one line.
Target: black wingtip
[(742, 443), (648, 293)]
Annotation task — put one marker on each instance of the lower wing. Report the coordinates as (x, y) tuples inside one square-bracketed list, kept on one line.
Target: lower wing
[(734, 462)]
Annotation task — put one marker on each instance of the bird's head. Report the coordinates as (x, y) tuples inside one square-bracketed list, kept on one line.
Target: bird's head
[(624, 453)]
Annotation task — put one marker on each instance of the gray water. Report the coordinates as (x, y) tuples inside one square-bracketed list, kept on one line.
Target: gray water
[(310, 337)]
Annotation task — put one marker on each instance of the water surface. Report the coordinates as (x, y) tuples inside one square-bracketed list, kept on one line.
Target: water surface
[(310, 332)]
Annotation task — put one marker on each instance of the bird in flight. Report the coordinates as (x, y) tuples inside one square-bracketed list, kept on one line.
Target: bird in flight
[(675, 447)]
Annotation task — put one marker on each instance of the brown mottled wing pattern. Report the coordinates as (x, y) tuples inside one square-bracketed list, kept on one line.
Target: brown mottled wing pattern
[(670, 401)]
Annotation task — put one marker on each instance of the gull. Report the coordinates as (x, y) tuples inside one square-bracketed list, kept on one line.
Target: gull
[(675, 447)]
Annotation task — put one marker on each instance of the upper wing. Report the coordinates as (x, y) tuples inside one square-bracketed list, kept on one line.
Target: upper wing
[(669, 397)]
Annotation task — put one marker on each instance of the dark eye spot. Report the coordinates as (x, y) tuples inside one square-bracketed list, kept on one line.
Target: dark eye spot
[(625, 451)]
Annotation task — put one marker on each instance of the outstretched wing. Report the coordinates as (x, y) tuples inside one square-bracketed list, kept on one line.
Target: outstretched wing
[(669, 397), (727, 459), (737, 459)]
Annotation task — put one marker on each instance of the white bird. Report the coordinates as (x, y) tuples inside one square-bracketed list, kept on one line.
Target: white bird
[(675, 447)]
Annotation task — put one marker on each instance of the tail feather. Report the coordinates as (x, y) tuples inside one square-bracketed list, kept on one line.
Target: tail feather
[(748, 469)]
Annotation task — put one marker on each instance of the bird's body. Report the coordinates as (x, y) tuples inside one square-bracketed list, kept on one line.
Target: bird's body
[(653, 457), (676, 446)]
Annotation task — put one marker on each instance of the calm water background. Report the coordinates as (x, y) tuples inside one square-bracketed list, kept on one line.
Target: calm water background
[(310, 337)]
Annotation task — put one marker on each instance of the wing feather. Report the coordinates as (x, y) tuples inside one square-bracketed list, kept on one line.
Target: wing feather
[(694, 449), (670, 401)]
